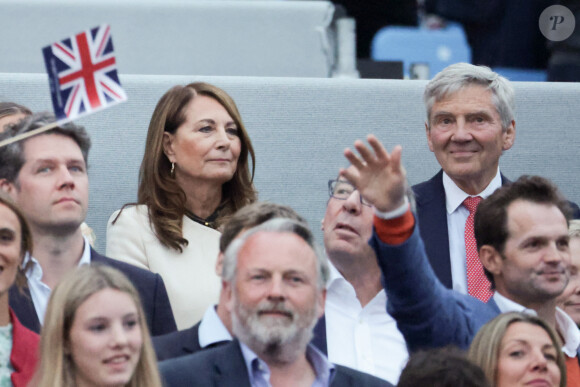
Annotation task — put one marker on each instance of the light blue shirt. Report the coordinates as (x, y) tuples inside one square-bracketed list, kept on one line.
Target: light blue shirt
[(259, 371), (211, 329), (39, 291)]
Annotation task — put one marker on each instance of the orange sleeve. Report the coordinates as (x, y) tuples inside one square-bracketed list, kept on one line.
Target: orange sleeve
[(395, 231)]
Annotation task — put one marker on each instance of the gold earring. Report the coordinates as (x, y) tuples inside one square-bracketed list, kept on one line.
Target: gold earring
[(172, 172)]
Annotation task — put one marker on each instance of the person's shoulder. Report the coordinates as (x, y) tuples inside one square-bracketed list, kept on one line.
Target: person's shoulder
[(434, 181), (129, 270), (177, 344), (199, 362), (137, 212), (346, 376)]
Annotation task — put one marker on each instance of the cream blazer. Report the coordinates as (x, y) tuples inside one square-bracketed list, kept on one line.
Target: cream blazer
[(190, 278)]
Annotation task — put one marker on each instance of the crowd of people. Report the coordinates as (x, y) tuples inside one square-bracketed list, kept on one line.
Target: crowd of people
[(467, 279)]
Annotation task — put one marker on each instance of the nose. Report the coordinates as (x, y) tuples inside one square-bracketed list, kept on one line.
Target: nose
[(118, 335), (555, 255), (539, 362), (353, 204), (66, 179), (223, 141), (462, 132), (277, 290)]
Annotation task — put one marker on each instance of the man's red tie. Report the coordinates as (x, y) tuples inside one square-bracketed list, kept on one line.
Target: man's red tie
[(477, 283)]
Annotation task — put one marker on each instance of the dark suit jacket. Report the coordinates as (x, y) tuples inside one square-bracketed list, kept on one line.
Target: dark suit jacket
[(432, 220), (149, 285), (224, 366), (176, 344), (186, 341)]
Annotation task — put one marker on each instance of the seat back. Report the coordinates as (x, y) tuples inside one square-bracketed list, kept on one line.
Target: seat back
[(435, 49)]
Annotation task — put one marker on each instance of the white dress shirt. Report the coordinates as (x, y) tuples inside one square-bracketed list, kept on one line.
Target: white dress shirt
[(564, 323), (456, 217), (366, 339), (211, 329), (39, 291)]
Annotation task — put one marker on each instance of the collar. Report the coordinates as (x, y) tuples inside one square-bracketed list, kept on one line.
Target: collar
[(569, 331), (564, 323), (323, 369), (211, 329), (454, 196), (334, 276), (35, 272), (210, 221), (506, 305)]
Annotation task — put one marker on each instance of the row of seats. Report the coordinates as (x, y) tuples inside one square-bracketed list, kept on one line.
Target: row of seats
[(300, 127), (425, 52), (205, 37)]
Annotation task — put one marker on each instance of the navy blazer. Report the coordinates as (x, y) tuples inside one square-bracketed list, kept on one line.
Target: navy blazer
[(432, 220), (150, 286), (224, 366), (176, 344), (427, 313), (186, 341)]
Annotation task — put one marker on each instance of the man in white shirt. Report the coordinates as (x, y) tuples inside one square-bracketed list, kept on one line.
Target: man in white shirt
[(359, 332), (46, 175), (470, 123)]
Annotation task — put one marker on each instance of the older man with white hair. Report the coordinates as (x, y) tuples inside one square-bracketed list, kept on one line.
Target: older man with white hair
[(274, 279)]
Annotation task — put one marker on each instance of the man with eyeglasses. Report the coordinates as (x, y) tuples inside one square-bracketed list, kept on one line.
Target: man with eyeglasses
[(359, 332)]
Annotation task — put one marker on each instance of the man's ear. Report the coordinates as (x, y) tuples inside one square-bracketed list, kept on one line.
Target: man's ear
[(491, 259), (228, 294), (219, 264), (168, 146), (7, 187), (428, 134)]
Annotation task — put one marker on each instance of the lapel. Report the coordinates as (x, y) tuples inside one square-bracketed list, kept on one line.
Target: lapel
[(230, 370), (190, 338), (491, 302), (23, 307), (432, 221), (319, 337)]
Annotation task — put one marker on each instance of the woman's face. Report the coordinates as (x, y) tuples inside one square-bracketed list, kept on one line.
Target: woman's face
[(570, 298), (207, 145), (10, 242), (105, 339), (527, 357)]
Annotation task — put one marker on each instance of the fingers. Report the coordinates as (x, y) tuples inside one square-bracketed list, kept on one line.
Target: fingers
[(380, 151), (353, 159), (351, 174), (396, 159)]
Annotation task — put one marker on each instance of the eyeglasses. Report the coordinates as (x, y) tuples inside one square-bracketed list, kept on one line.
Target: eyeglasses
[(342, 189)]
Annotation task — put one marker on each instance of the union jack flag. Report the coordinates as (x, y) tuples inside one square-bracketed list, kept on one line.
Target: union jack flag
[(82, 74)]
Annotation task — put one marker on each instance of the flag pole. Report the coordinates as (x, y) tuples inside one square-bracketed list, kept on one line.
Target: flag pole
[(22, 136)]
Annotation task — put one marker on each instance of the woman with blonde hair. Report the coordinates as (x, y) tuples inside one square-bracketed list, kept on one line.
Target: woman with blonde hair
[(95, 334), (519, 349), (195, 173)]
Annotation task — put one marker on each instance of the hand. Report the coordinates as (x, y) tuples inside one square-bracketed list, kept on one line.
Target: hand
[(379, 177)]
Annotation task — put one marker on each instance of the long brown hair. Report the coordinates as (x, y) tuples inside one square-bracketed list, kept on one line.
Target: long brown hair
[(159, 191)]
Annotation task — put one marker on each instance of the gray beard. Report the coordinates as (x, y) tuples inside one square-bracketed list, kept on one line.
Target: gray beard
[(274, 339)]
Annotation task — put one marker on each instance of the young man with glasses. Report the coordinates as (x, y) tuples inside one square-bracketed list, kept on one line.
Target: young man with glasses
[(359, 332)]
